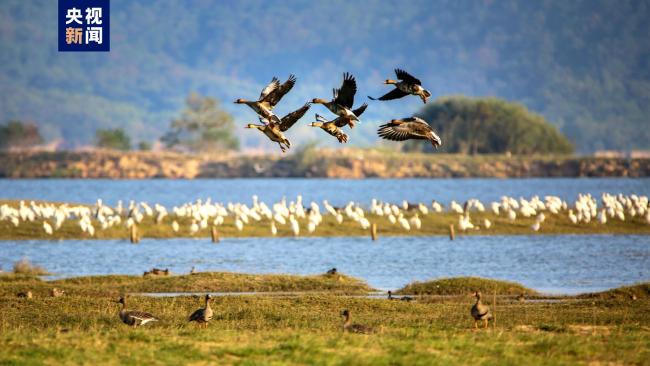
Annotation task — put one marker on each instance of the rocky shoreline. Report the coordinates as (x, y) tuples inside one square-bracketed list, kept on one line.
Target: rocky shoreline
[(316, 163)]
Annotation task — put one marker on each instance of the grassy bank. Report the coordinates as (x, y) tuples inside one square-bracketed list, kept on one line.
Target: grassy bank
[(80, 327), (309, 162), (114, 285), (432, 224), (465, 285), (640, 291)]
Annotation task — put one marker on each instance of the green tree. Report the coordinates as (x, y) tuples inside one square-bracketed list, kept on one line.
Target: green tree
[(17, 134), (202, 126), (144, 146), (490, 125), (113, 139)]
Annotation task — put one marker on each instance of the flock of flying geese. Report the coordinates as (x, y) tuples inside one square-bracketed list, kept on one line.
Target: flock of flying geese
[(341, 104)]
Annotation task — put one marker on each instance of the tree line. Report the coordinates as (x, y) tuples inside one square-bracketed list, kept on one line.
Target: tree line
[(466, 126), (488, 126)]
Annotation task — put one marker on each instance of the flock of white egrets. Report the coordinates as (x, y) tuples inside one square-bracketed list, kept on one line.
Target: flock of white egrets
[(203, 214)]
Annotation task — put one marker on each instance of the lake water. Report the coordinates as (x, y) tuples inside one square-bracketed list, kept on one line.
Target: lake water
[(553, 264), (337, 191), (557, 264)]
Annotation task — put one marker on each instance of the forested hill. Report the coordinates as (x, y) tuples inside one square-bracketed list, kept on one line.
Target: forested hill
[(584, 65)]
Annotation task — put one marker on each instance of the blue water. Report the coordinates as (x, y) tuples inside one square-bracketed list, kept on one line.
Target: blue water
[(337, 191), (559, 264), (553, 264)]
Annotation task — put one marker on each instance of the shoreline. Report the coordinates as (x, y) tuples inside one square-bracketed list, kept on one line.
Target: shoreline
[(61, 221), (226, 284), (354, 179), (349, 163), (207, 237), (328, 229)]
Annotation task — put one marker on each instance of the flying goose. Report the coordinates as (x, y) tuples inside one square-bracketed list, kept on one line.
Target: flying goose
[(346, 121), (341, 104), (412, 128), (203, 315), (273, 130), (269, 97), (408, 84), (348, 326), (480, 311), (134, 318), (274, 97), (330, 127)]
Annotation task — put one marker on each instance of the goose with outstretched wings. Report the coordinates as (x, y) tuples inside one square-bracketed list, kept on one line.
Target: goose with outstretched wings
[(330, 127), (269, 98), (274, 130), (408, 85), (345, 121), (343, 98), (411, 128)]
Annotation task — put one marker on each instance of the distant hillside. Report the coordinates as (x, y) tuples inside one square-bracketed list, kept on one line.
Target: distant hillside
[(583, 64)]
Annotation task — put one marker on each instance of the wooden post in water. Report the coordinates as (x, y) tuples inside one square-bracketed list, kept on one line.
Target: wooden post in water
[(373, 231), (135, 238), (452, 235), (494, 310), (215, 234)]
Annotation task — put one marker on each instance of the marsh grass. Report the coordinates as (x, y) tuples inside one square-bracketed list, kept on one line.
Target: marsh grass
[(116, 285), (306, 329), (465, 286), (639, 292), (432, 224)]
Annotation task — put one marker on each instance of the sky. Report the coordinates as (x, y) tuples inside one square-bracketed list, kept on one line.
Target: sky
[(541, 54)]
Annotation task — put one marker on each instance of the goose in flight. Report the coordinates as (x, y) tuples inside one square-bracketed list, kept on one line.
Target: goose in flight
[(341, 104), (408, 84), (343, 121), (331, 128), (412, 128), (270, 96), (274, 130)]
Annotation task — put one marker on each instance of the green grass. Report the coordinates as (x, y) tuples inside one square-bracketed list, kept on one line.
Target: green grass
[(465, 286), (640, 291), (305, 329), (115, 285), (432, 224)]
